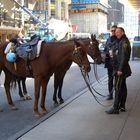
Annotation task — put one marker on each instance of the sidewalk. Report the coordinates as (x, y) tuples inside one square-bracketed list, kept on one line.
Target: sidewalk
[(85, 119)]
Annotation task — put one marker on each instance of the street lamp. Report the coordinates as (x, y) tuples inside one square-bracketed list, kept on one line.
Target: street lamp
[(15, 11), (19, 17)]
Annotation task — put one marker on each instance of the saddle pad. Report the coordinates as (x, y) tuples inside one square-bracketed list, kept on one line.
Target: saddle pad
[(8, 47), (29, 52), (39, 47)]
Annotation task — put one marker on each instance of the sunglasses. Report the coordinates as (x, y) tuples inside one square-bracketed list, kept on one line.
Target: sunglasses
[(112, 30)]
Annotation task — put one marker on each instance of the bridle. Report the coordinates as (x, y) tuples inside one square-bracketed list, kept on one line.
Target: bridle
[(77, 57), (92, 46)]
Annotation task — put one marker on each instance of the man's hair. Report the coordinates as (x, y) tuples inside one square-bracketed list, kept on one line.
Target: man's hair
[(121, 28), (114, 26)]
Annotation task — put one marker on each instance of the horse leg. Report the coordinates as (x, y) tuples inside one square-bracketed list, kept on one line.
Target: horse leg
[(0, 73), (1, 110), (56, 84), (8, 79), (61, 79), (44, 87), (19, 88), (0, 84), (37, 85), (60, 91), (26, 95)]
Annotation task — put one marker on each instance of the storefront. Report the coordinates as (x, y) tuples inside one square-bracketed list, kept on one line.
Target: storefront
[(7, 33)]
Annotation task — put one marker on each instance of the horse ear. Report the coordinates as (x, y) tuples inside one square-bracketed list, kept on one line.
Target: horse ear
[(78, 42), (93, 37)]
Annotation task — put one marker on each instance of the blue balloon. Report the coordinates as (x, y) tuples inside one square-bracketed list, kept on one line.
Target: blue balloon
[(11, 57)]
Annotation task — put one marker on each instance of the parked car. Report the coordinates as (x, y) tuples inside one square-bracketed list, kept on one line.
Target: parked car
[(136, 47), (137, 38), (101, 48)]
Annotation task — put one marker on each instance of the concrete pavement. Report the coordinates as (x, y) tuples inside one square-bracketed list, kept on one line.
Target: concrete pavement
[(84, 119)]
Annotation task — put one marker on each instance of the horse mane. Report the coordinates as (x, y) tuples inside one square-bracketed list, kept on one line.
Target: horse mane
[(3, 45), (59, 43), (79, 38)]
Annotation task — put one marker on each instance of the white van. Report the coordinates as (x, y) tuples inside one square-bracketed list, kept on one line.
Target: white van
[(80, 35)]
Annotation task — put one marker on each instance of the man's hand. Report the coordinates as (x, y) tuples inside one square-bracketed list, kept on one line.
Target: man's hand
[(119, 73)]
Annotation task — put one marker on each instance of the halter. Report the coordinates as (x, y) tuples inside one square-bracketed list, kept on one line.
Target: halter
[(77, 55), (93, 47)]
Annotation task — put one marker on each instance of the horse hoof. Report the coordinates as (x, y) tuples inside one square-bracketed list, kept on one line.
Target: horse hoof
[(37, 114), (1, 110), (61, 101), (27, 97), (14, 108), (22, 98), (56, 103), (43, 112)]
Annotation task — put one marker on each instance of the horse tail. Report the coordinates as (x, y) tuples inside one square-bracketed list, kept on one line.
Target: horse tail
[(13, 82)]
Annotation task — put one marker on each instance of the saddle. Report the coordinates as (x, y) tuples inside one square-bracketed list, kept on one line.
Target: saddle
[(27, 50), (32, 42)]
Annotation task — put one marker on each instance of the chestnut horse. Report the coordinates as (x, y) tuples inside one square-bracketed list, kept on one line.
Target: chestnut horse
[(60, 73), (52, 55)]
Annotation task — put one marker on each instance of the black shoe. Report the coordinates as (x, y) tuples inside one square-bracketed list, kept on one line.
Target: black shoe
[(122, 109), (112, 111), (109, 97)]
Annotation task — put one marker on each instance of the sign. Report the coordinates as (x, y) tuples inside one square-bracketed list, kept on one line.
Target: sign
[(84, 1), (74, 27), (78, 7)]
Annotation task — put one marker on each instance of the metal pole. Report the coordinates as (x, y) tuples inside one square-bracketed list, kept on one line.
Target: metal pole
[(138, 23), (22, 14), (138, 30)]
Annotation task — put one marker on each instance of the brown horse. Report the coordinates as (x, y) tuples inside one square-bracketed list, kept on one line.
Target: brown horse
[(59, 74), (51, 56), (93, 50)]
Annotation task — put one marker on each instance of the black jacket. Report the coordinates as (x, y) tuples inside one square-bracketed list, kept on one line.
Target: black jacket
[(122, 53), (110, 43)]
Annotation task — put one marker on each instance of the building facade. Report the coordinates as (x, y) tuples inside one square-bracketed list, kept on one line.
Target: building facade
[(10, 20), (58, 8), (90, 16), (13, 19), (115, 13)]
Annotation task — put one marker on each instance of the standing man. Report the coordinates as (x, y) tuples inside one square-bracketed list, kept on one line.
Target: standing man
[(121, 68), (108, 60)]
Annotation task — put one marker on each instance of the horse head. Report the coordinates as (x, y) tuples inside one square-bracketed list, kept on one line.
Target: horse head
[(94, 51), (80, 55)]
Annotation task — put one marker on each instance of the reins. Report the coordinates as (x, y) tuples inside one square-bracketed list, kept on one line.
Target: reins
[(90, 89), (77, 57)]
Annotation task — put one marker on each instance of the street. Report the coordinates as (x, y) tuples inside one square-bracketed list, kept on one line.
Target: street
[(13, 122)]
